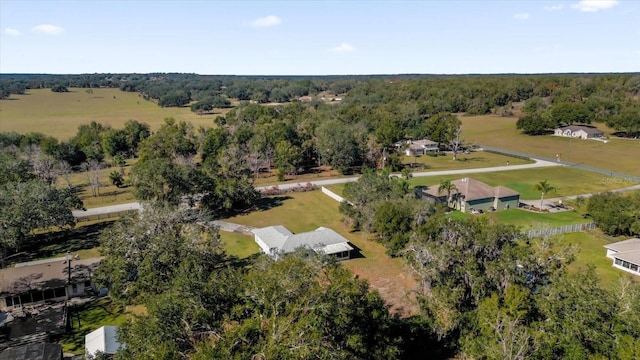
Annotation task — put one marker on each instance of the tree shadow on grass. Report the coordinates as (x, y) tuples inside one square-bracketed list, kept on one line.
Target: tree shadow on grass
[(58, 242), (267, 203)]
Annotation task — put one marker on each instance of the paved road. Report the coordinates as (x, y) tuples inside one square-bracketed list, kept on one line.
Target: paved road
[(538, 164), (113, 209), (550, 203)]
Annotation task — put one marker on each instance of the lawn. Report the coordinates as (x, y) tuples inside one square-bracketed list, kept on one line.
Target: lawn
[(531, 220), (109, 194), (239, 245), (475, 159), (617, 155), (92, 316), (567, 181), (59, 114), (591, 252), (307, 211)]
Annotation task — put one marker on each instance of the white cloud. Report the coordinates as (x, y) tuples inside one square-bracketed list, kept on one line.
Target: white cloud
[(343, 48), (11, 32), (521, 16), (46, 29), (554, 7), (266, 21), (594, 5)]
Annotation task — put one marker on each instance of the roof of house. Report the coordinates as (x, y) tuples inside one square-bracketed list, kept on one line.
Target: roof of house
[(473, 189), (104, 339), (587, 129), (39, 351), (45, 274), (627, 250), (415, 144), (280, 238)]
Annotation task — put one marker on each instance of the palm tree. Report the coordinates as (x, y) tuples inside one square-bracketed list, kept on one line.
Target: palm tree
[(544, 187), (449, 187)]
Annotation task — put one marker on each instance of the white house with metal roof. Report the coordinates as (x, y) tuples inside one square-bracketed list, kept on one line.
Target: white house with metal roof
[(277, 240), (625, 255)]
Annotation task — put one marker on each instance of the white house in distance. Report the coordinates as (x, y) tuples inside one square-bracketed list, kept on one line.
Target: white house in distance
[(625, 255), (103, 339), (579, 131), (417, 147), (276, 240)]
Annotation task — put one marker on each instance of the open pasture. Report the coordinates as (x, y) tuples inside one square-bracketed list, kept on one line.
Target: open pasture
[(622, 155), (59, 114)]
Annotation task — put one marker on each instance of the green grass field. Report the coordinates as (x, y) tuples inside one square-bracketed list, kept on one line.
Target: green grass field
[(239, 245), (567, 181), (92, 316), (476, 159), (59, 114), (591, 252), (620, 155), (307, 211)]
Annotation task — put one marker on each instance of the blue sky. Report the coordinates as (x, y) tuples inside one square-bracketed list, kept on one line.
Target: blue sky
[(319, 37)]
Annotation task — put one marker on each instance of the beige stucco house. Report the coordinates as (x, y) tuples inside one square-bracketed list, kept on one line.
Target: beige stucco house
[(579, 131)]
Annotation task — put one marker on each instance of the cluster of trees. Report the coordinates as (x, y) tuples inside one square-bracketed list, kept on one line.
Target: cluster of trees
[(93, 141), (595, 100), (485, 292), (30, 200), (203, 304), (488, 292), (166, 170), (616, 214)]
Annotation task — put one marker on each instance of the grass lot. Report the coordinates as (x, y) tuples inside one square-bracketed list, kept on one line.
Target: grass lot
[(92, 316), (59, 114), (617, 155), (476, 159), (306, 211), (591, 252), (531, 220), (567, 181), (239, 245), (109, 193)]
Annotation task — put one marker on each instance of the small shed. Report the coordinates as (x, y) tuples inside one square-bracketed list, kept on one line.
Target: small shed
[(103, 339)]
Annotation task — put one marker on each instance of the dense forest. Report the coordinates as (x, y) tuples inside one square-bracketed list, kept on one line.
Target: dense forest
[(486, 291)]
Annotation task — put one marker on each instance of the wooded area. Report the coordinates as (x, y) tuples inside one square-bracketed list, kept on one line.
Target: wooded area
[(485, 290)]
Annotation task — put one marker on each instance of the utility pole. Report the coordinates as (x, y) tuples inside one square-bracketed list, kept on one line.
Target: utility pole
[(68, 324)]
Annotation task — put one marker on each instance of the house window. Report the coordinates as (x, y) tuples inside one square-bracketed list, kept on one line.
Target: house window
[(74, 288), (618, 262), (60, 292), (49, 294), (634, 267), (9, 301)]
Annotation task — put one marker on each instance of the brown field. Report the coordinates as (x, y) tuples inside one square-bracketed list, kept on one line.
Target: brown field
[(59, 114), (622, 155)]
